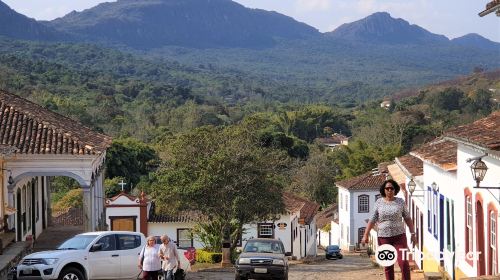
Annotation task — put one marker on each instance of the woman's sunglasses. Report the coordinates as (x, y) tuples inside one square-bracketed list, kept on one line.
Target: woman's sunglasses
[(389, 189)]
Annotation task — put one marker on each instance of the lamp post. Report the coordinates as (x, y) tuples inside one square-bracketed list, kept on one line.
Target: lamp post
[(412, 188), (435, 187), (478, 169)]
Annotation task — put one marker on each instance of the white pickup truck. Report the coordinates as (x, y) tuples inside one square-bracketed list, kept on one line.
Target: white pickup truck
[(91, 255)]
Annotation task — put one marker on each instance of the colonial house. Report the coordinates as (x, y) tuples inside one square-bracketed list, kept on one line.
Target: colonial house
[(35, 144), (477, 196), (334, 140), (296, 228), (453, 199), (326, 222), (356, 197), (439, 159)]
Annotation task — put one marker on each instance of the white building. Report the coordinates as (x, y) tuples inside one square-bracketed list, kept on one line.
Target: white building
[(356, 198), (35, 144), (326, 222), (296, 228), (456, 222), (477, 209)]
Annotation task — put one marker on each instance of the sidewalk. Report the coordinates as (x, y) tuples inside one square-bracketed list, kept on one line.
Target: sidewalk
[(12, 254)]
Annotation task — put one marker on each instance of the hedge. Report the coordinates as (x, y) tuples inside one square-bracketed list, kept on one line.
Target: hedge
[(203, 256)]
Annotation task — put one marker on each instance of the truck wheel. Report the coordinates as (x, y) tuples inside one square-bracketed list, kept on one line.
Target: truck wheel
[(71, 273)]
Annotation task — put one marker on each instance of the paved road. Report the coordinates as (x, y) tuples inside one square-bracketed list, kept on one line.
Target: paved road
[(351, 267)]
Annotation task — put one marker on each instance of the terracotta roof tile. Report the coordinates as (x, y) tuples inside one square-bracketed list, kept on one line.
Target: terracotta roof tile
[(484, 132), (439, 152), (293, 203), (32, 129), (367, 181), (335, 138), (413, 165), (327, 215), (180, 217)]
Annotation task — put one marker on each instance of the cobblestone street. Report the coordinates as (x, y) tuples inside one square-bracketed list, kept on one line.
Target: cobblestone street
[(350, 267)]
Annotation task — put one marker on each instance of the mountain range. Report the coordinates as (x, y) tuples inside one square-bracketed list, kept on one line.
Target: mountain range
[(370, 57), (149, 24)]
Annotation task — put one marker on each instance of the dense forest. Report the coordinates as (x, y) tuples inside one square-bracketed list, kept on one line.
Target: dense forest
[(145, 105)]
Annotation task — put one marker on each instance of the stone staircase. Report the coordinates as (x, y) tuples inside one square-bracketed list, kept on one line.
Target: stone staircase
[(52, 237)]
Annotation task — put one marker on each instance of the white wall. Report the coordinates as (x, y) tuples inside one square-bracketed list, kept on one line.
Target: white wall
[(170, 229), (358, 220), (324, 238), (335, 233), (285, 235), (465, 180), (344, 217), (123, 212)]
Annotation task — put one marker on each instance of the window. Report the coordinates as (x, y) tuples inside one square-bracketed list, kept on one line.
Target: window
[(184, 238), (363, 203), (128, 241), (493, 243), (468, 233), (265, 230), (361, 232), (448, 225), (434, 214), (108, 243), (429, 206)]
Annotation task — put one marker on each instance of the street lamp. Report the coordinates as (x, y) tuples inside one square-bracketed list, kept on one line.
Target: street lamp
[(10, 180), (478, 169), (435, 187), (412, 188)]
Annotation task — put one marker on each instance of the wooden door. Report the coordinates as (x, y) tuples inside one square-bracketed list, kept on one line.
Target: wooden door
[(123, 224)]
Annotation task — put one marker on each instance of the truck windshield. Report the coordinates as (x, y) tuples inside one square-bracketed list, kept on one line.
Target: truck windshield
[(264, 247), (78, 242)]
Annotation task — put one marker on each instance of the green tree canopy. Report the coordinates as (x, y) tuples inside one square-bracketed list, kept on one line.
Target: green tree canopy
[(130, 159), (221, 172)]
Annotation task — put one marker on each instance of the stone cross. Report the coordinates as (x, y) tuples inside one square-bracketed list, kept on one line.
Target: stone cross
[(122, 184)]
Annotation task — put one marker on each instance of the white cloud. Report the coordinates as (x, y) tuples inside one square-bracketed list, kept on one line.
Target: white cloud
[(312, 5)]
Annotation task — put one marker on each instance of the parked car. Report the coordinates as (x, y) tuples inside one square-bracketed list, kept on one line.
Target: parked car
[(262, 258), (333, 252), (91, 255)]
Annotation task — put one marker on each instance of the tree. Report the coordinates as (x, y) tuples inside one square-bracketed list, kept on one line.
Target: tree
[(316, 178), (130, 159), (221, 172)]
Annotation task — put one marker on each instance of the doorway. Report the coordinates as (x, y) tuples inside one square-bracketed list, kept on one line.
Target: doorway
[(481, 269)]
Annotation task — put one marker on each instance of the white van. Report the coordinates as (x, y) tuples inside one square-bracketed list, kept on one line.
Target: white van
[(91, 255)]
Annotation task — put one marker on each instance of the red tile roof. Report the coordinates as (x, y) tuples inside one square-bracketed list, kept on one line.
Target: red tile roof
[(180, 217), (484, 132), (413, 165), (293, 203), (327, 215), (367, 181), (440, 152), (32, 129), (335, 138)]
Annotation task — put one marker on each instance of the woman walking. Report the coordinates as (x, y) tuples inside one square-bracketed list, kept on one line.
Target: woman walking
[(149, 260), (390, 211), (171, 261)]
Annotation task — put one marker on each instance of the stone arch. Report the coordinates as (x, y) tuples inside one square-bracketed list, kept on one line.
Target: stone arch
[(83, 183)]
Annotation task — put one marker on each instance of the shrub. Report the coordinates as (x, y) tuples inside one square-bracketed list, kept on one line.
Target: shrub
[(73, 198), (203, 256)]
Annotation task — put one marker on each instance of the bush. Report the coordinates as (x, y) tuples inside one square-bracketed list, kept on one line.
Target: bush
[(203, 256), (72, 199)]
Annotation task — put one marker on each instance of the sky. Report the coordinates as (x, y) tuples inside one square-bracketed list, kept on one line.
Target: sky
[(452, 18)]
